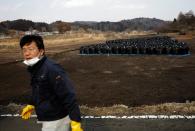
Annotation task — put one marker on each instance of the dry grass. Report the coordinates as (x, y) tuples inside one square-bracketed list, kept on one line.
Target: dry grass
[(188, 36), (121, 110), (161, 109), (75, 38)]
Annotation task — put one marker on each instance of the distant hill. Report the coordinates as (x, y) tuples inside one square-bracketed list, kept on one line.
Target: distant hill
[(183, 23), (143, 23), (132, 24), (23, 25)]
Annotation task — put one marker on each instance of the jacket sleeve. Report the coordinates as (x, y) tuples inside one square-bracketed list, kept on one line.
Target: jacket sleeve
[(65, 91)]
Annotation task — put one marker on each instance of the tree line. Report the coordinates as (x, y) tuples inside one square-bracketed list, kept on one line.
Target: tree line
[(184, 22), (124, 25), (27, 25)]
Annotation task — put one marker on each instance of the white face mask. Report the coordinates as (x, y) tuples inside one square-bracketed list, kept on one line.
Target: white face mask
[(32, 61)]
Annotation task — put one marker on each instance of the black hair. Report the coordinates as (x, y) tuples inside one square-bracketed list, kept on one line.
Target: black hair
[(27, 39)]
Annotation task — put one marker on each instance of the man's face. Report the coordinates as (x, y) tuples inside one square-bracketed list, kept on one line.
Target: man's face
[(30, 51)]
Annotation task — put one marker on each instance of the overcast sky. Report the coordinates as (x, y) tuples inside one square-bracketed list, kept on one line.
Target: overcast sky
[(92, 10)]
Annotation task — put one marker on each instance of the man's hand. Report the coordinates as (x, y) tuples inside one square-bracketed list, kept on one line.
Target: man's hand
[(27, 111), (76, 126)]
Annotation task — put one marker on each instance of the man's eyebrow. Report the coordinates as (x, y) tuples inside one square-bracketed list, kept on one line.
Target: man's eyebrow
[(27, 47)]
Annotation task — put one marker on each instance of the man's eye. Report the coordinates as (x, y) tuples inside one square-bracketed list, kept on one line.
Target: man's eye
[(28, 49)]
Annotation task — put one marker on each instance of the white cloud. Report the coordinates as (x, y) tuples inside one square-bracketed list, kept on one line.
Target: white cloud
[(122, 4), (17, 6), (100, 10), (11, 7), (78, 3), (4, 8), (71, 3), (54, 3), (129, 6)]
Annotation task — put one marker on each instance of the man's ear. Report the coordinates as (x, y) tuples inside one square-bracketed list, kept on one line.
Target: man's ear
[(42, 52)]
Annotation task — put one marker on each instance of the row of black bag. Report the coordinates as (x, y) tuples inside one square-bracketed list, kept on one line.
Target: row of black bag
[(148, 45)]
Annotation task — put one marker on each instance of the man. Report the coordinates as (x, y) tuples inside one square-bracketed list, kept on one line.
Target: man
[(53, 97)]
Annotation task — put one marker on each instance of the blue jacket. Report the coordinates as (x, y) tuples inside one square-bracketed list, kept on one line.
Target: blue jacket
[(53, 94)]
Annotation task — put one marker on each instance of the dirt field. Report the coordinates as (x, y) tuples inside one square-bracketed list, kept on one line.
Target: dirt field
[(108, 80)]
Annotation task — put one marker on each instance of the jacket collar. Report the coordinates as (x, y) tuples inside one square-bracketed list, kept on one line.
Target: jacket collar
[(33, 69)]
